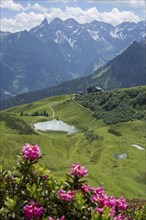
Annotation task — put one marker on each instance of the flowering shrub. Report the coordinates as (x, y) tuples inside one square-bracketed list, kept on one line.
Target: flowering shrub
[(32, 192), (68, 196), (34, 210), (31, 152), (78, 171)]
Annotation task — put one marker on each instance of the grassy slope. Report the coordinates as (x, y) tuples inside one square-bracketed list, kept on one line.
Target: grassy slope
[(60, 150)]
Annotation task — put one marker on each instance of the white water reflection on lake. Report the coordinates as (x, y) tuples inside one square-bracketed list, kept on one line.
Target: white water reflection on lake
[(55, 125)]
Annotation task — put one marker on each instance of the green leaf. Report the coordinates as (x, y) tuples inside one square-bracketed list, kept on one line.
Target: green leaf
[(105, 215), (79, 200), (96, 216), (31, 189), (10, 203)]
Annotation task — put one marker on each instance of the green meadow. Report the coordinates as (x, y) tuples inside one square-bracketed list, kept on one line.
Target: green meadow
[(94, 145)]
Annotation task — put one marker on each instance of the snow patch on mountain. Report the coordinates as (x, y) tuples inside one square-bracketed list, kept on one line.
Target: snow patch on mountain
[(60, 37), (40, 34), (94, 34), (71, 42), (117, 33), (18, 36), (76, 31), (130, 29)]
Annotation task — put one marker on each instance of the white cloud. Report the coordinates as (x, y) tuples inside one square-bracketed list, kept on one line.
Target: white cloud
[(9, 4), (22, 21), (134, 3), (25, 20), (37, 7), (114, 17)]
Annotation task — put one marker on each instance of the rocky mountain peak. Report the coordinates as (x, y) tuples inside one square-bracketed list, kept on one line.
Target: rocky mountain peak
[(71, 21), (56, 21), (44, 22)]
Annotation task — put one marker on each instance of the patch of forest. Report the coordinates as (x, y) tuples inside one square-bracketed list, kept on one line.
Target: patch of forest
[(116, 106)]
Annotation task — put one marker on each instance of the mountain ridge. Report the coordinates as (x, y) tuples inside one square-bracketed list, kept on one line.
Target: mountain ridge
[(60, 51), (130, 64)]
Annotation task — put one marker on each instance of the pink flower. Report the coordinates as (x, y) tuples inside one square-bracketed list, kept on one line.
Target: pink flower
[(34, 210), (28, 211), (95, 198), (121, 203), (112, 212), (100, 190), (86, 188), (112, 201), (45, 177), (62, 218), (66, 195), (78, 170), (101, 199), (99, 210), (31, 152), (119, 217)]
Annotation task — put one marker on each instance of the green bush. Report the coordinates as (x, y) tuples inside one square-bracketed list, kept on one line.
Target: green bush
[(139, 115), (90, 136)]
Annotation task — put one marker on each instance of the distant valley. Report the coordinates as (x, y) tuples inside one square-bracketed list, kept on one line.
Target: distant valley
[(59, 51), (125, 70)]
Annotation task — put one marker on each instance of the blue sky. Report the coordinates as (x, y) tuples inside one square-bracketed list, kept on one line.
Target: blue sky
[(17, 15)]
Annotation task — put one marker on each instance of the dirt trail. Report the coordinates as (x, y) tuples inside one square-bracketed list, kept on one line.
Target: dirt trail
[(73, 99), (52, 116)]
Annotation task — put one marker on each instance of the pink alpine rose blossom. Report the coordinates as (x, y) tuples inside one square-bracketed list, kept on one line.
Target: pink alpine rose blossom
[(112, 212), (112, 201), (31, 152), (99, 210), (100, 190), (119, 217), (86, 188), (121, 203), (78, 170), (45, 177), (62, 218), (102, 200), (34, 211), (66, 195)]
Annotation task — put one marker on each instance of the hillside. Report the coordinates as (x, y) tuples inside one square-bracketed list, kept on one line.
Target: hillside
[(116, 106), (126, 70), (95, 145)]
